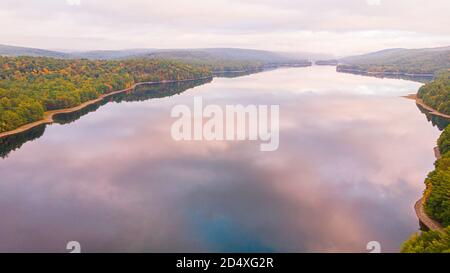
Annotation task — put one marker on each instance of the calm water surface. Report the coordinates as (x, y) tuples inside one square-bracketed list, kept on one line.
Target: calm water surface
[(351, 163)]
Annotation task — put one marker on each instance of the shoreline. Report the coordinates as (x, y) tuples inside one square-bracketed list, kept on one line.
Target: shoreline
[(385, 73), (418, 206), (425, 219), (430, 109), (48, 115)]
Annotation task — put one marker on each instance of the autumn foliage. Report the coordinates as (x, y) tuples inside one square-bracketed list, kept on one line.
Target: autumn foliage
[(29, 86)]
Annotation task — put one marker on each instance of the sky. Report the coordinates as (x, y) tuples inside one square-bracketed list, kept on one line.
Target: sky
[(338, 27)]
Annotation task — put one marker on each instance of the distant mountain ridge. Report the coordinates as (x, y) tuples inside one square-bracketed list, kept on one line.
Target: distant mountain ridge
[(393, 55), (13, 51), (422, 61), (230, 54)]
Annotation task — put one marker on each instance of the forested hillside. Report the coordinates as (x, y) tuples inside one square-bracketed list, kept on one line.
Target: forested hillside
[(436, 196), (399, 60), (437, 204), (437, 93), (428, 242), (218, 59), (29, 86), (14, 51), (229, 59), (437, 193)]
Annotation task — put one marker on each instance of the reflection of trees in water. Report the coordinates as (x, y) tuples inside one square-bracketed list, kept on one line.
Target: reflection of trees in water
[(437, 121), (65, 118), (423, 227), (150, 91), (422, 79), (140, 93), (235, 74), (13, 142)]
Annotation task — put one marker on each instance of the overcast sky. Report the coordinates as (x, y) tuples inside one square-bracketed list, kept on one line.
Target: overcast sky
[(339, 27)]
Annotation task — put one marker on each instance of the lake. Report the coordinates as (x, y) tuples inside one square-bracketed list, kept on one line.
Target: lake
[(351, 162)]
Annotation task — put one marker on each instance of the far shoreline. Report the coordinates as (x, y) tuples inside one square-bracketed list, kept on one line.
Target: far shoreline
[(48, 115)]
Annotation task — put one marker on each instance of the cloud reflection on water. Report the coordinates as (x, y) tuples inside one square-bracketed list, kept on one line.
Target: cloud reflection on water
[(348, 171)]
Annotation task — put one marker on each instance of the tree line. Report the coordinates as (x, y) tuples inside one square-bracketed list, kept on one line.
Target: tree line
[(436, 203), (410, 61), (29, 86), (437, 193), (437, 93)]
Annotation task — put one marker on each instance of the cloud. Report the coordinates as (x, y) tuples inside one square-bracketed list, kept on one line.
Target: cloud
[(282, 25), (373, 2), (73, 2)]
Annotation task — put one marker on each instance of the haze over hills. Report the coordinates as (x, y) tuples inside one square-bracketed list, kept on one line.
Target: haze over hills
[(398, 55), (230, 54), (388, 61), (7, 50), (110, 54), (399, 60)]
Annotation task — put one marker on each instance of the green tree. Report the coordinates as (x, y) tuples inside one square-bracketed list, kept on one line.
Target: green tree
[(428, 242)]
